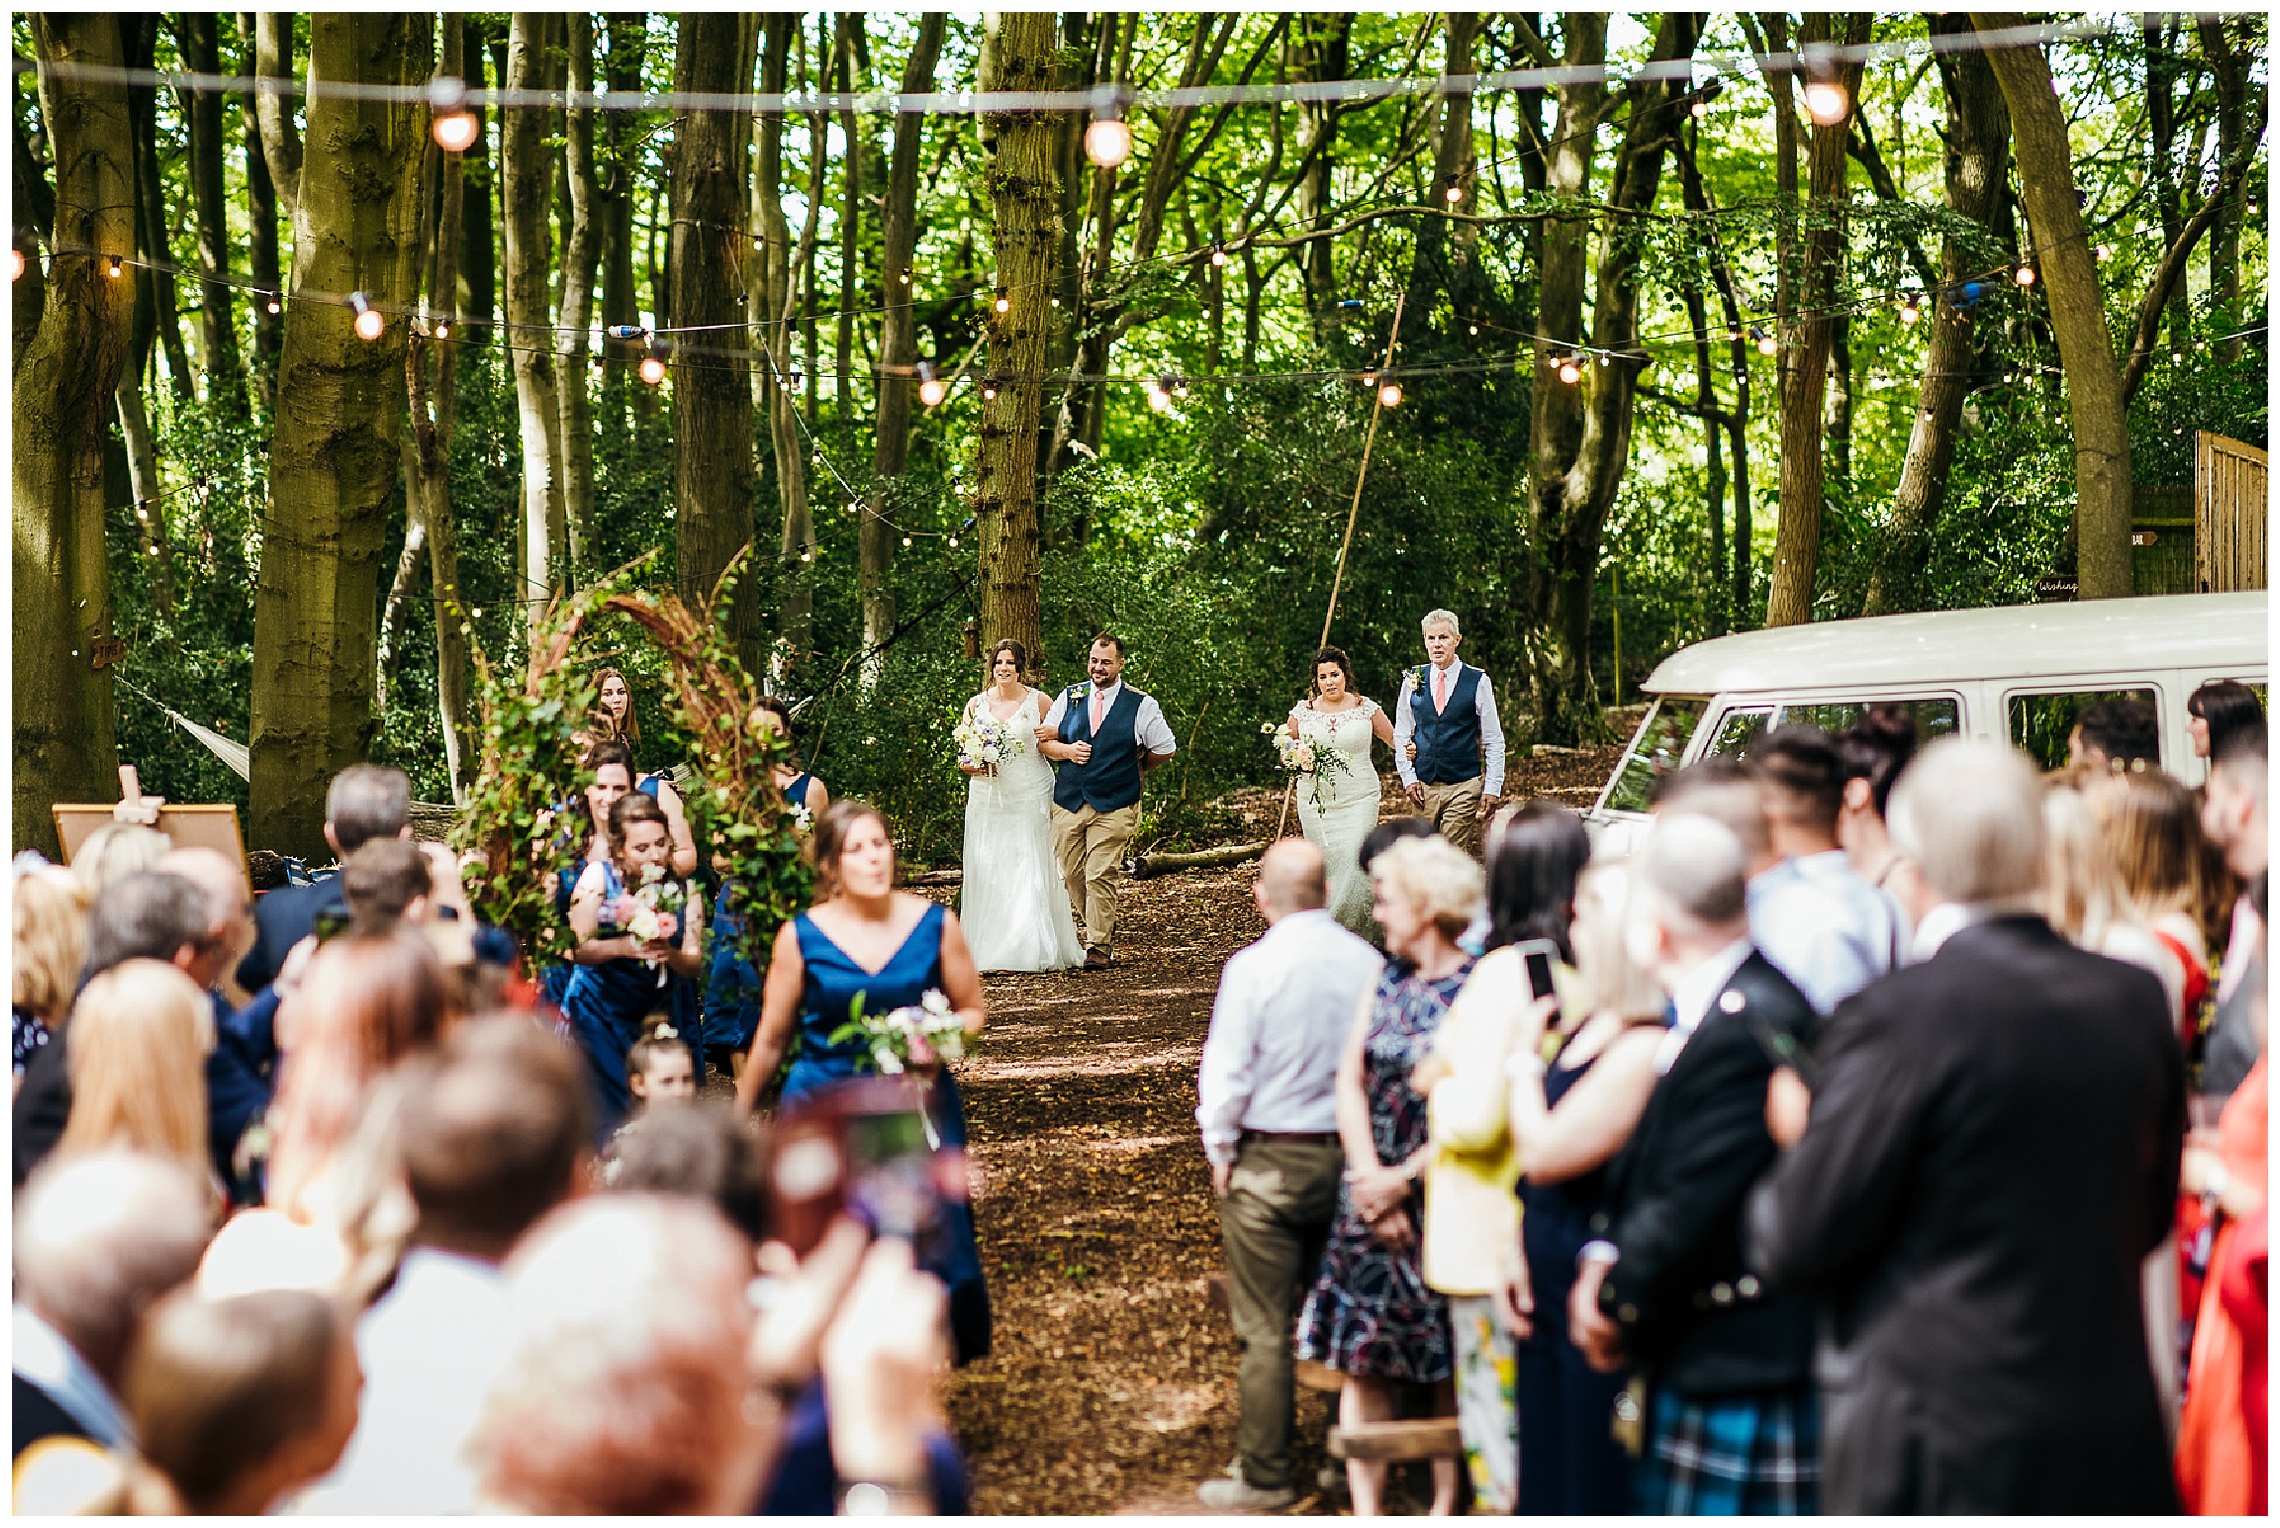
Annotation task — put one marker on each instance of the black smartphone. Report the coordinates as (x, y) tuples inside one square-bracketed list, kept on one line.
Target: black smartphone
[(1782, 1049), (1537, 955)]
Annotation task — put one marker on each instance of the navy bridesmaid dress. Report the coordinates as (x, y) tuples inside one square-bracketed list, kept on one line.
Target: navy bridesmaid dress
[(831, 984), (604, 1005)]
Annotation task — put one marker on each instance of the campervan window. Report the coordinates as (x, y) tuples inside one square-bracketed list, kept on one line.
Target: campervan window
[(2041, 724), (1657, 748)]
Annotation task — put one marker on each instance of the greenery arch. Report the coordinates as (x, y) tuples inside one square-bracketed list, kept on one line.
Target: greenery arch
[(529, 768)]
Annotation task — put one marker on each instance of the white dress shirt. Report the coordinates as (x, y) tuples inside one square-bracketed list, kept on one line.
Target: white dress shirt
[(1824, 926), (430, 1349), (1149, 728), (1286, 1004), (1690, 998), (1491, 730)]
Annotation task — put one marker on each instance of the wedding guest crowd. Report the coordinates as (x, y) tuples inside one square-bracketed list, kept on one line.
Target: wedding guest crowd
[(1829, 1152), (334, 1245)]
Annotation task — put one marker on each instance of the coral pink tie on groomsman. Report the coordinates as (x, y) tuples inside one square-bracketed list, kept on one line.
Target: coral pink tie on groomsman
[(1096, 710), (1440, 689)]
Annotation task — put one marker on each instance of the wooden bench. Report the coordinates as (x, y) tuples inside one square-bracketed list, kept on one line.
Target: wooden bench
[(1397, 1442)]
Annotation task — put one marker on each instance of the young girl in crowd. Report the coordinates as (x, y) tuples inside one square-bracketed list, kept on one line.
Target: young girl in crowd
[(639, 930), (658, 1069)]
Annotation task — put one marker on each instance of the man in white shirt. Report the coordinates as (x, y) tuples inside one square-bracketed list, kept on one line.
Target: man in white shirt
[(1103, 737), (1448, 745), (494, 1136), (1269, 1117)]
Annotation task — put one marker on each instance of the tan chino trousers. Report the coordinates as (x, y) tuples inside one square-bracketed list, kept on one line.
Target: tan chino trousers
[(1454, 811), (1090, 848)]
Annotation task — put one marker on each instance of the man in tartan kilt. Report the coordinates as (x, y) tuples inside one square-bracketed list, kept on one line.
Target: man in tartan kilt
[(1730, 1421)]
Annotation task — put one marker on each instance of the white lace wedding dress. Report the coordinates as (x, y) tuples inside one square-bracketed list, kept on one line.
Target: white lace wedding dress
[(1013, 908), (1340, 814)]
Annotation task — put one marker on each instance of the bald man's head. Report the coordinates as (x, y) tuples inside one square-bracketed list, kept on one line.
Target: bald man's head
[(229, 908), (1292, 879)]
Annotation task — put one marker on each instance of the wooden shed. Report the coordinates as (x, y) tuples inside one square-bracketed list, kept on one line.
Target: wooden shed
[(2229, 515)]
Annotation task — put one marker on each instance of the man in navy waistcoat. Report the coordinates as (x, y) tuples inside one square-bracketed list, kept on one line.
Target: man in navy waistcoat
[(1443, 724), (1102, 737)]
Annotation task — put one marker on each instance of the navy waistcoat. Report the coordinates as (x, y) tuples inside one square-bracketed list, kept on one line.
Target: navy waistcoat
[(1448, 742), (1112, 780)]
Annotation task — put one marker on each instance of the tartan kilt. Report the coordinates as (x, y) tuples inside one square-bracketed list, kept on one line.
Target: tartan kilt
[(1752, 1455)]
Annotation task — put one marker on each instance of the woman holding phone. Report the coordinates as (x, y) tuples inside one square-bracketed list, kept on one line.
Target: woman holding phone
[(1472, 1220)]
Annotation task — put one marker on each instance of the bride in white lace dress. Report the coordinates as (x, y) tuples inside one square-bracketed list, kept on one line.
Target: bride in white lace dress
[(1338, 797), (1012, 906)]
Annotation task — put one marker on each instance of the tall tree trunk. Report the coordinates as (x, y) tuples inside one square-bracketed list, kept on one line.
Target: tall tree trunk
[(1739, 590), (2095, 405), (1088, 402), (261, 214), (527, 175), (273, 107), (1025, 233), (1978, 141), (620, 169), (2233, 125), (143, 482), (64, 742), (35, 215), (202, 54), (579, 248), (2161, 70), (1323, 57), (478, 245), (1805, 347), (434, 413), (1434, 267), (335, 458), (1582, 433), (898, 350), (1713, 420), (138, 34), (712, 395), (773, 299), (850, 26)]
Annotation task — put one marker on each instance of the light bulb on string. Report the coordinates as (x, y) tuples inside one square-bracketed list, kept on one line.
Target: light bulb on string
[(1472, 328), (455, 127), (653, 365), (953, 542), (1369, 378), (1160, 396), (1179, 387), (1826, 100), (905, 278), (1911, 308), (906, 541), (1108, 142), (1389, 395), (443, 328), (1710, 91), (2024, 275), (15, 263), (370, 322), (1766, 343), (118, 268), (1004, 302), (989, 389), (274, 306), (930, 388), (1571, 370), (1219, 253), (1453, 192), (2105, 251)]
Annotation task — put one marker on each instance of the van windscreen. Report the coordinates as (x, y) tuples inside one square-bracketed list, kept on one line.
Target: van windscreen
[(1656, 749)]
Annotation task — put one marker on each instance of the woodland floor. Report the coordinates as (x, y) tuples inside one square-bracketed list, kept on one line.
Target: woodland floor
[(1112, 1386)]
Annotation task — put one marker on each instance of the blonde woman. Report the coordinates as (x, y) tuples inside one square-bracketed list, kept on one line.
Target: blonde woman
[(1576, 1095), (1371, 1316), (113, 852), (51, 942), (2085, 900), (139, 1038), (2153, 830)]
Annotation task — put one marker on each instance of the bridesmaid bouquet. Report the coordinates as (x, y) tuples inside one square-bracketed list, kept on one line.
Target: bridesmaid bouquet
[(921, 1034), (987, 741), (652, 910), (1298, 757)]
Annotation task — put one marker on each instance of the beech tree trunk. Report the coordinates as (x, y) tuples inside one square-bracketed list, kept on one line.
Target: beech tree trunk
[(217, 329), (712, 393), (261, 213), (1580, 438), (621, 300), (273, 106), (1025, 232), (434, 413), (1978, 140), (1738, 600), (1436, 265), (138, 35), (1806, 344), (850, 26), (65, 748), (2234, 123), (527, 181), (335, 455), (898, 350), (773, 298), (574, 381), (2094, 397), (478, 243)]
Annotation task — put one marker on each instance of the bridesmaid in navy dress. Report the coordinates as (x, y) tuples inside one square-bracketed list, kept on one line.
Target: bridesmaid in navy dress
[(732, 986), (617, 978), (892, 947), (617, 704), (585, 823)]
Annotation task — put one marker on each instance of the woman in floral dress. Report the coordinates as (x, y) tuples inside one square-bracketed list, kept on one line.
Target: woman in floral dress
[(1370, 1315)]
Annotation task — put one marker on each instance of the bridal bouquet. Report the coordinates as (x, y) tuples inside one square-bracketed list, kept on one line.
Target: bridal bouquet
[(921, 1034), (1299, 757), (983, 739), (652, 910)]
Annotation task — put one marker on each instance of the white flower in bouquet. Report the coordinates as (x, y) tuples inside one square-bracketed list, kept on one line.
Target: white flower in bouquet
[(918, 1034), (987, 741)]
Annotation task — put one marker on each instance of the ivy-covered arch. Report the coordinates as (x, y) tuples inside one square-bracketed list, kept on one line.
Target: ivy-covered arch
[(531, 770)]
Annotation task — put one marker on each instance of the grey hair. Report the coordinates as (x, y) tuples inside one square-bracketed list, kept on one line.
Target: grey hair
[(99, 1236), (1968, 811), (368, 801), (1435, 877), (1696, 867), (1446, 618), (1293, 877)]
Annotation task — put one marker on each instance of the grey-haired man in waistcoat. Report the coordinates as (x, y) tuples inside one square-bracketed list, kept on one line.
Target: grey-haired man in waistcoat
[(1102, 736), (1447, 743)]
